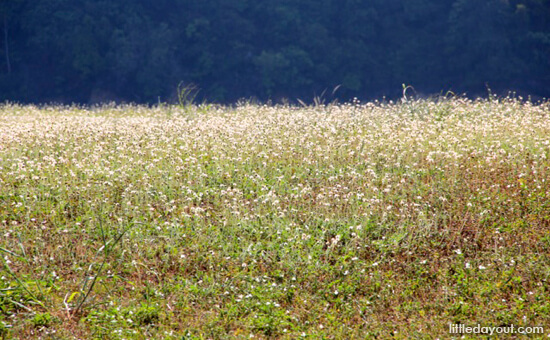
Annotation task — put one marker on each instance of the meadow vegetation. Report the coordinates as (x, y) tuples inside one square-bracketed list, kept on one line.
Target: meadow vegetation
[(328, 221)]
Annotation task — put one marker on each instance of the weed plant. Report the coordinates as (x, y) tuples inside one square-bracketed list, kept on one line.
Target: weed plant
[(328, 221)]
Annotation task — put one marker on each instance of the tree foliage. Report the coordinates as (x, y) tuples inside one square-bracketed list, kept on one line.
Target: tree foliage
[(94, 50)]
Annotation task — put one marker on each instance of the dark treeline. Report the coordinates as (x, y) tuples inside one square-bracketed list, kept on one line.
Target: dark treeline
[(140, 50)]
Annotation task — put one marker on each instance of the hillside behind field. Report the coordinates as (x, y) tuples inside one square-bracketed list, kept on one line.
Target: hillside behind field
[(90, 51)]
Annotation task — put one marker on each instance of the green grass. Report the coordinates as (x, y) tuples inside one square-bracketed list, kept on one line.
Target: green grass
[(337, 221)]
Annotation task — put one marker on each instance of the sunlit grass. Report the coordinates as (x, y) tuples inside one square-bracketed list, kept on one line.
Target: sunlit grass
[(338, 221)]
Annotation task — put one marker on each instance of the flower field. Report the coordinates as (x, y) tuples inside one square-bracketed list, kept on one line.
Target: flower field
[(338, 221)]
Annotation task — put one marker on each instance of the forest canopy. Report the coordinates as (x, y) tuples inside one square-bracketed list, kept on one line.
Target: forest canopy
[(89, 51)]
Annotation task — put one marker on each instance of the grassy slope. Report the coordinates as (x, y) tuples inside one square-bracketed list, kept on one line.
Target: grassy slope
[(338, 221)]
